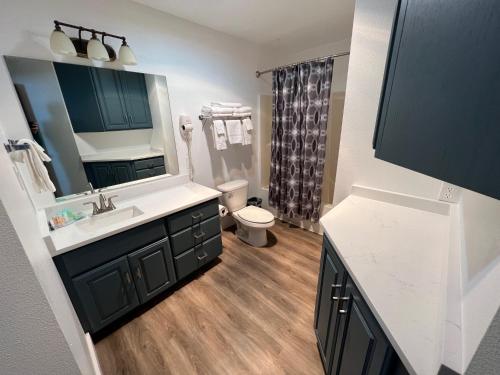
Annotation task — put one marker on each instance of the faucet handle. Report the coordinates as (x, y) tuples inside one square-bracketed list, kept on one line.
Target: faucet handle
[(95, 209), (111, 205)]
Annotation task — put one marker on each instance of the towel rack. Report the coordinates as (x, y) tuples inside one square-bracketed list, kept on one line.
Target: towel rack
[(13, 146), (223, 117)]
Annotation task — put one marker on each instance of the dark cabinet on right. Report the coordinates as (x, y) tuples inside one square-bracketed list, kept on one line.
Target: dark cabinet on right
[(350, 340), (440, 107)]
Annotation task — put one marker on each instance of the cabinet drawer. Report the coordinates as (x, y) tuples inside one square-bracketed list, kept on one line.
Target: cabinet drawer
[(187, 238), (191, 260), (151, 172), (192, 216), (149, 163)]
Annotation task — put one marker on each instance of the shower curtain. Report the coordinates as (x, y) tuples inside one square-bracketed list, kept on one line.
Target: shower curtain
[(301, 97)]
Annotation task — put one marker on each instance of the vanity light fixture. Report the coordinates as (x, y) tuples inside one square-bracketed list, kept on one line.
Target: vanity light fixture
[(92, 48)]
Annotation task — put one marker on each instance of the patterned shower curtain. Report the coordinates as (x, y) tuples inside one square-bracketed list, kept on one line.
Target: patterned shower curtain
[(301, 97)]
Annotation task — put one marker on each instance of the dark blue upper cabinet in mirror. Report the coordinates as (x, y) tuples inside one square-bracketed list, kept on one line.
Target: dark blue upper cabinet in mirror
[(440, 107), (98, 125)]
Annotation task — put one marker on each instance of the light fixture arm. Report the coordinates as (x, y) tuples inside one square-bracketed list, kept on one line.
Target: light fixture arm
[(58, 25)]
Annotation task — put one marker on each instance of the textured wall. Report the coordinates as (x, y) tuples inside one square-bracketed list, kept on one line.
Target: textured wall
[(31, 341), (486, 361)]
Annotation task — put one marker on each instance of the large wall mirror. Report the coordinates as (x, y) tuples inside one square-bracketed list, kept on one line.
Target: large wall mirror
[(98, 125)]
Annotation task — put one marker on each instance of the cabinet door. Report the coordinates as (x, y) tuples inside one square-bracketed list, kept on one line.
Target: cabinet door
[(362, 347), (106, 293), (153, 269), (439, 110), (100, 174), (122, 172), (330, 287), (110, 97), (136, 100), (80, 97)]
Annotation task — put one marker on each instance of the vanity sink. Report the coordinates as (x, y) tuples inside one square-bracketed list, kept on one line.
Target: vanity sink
[(108, 218)]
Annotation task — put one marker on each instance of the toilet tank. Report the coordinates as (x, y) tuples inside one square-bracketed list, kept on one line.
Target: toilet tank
[(234, 194)]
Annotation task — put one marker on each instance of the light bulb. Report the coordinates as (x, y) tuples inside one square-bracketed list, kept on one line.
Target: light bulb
[(96, 50), (125, 55), (61, 44)]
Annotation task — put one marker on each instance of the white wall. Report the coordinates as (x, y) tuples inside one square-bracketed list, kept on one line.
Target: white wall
[(31, 341), (480, 248)]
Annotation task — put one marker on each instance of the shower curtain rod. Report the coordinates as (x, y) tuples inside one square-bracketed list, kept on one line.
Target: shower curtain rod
[(258, 73)]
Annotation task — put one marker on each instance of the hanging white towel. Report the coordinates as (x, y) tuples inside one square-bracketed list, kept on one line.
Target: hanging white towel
[(219, 134), (226, 104), (33, 158), (234, 131), (247, 131)]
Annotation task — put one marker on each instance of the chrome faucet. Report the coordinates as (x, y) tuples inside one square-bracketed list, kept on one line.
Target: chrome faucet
[(105, 204)]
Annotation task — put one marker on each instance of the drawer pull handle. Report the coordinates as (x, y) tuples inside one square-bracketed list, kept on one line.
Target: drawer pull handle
[(342, 311), (202, 257), (340, 298), (336, 286), (138, 273), (197, 236), (197, 217)]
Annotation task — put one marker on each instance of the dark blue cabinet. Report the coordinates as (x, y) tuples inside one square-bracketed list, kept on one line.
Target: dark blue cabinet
[(106, 293), (350, 340), (153, 269), (107, 279), (440, 109), (99, 99), (136, 100), (110, 98), (79, 95), (103, 174)]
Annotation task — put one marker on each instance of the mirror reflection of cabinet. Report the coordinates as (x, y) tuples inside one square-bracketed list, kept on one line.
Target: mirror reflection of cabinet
[(103, 174), (100, 99)]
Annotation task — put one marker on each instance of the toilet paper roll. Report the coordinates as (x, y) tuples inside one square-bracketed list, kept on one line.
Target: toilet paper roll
[(187, 127), (222, 210)]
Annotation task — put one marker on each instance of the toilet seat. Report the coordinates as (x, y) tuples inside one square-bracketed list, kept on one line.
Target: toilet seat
[(255, 217)]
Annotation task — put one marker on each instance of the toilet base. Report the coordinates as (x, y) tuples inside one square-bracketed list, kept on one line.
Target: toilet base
[(256, 237)]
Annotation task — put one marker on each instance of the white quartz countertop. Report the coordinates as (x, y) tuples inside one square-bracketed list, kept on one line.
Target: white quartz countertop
[(154, 205), (123, 154), (396, 249)]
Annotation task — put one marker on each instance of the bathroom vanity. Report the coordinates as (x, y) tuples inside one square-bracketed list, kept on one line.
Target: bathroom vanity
[(110, 268)]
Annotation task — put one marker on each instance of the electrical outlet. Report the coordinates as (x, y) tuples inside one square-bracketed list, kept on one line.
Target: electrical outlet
[(450, 193)]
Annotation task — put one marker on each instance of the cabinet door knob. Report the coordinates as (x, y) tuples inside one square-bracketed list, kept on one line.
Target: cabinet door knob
[(198, 216), (138, 273), (127, 277), (336, 286), (342, 311), (202, 257)]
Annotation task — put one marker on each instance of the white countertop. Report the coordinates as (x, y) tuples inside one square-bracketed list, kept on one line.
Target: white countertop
[(395, 248), (121, 154), (154, 205)]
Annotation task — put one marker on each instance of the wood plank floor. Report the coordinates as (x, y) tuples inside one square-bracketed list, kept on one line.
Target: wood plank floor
[(252, 313)]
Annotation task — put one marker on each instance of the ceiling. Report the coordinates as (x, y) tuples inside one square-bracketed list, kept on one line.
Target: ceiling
[(297, 24)]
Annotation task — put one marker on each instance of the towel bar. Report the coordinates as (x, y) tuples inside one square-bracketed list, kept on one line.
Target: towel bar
[(13, 146), (225, 117)]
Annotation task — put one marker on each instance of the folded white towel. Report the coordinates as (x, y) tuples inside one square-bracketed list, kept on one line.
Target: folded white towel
[(219, 134), (247, 131), (243, 109), (226, 104), (243, 114), (222, 110), (33, 158), (234, 131)]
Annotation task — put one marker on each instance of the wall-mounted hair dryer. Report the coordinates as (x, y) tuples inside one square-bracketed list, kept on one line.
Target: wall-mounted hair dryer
[(186, 130)]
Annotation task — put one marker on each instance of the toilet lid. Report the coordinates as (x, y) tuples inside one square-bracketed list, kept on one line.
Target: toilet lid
[(255, 215)]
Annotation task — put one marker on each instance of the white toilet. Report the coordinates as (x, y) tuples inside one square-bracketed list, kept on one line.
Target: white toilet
[(252, 222)]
